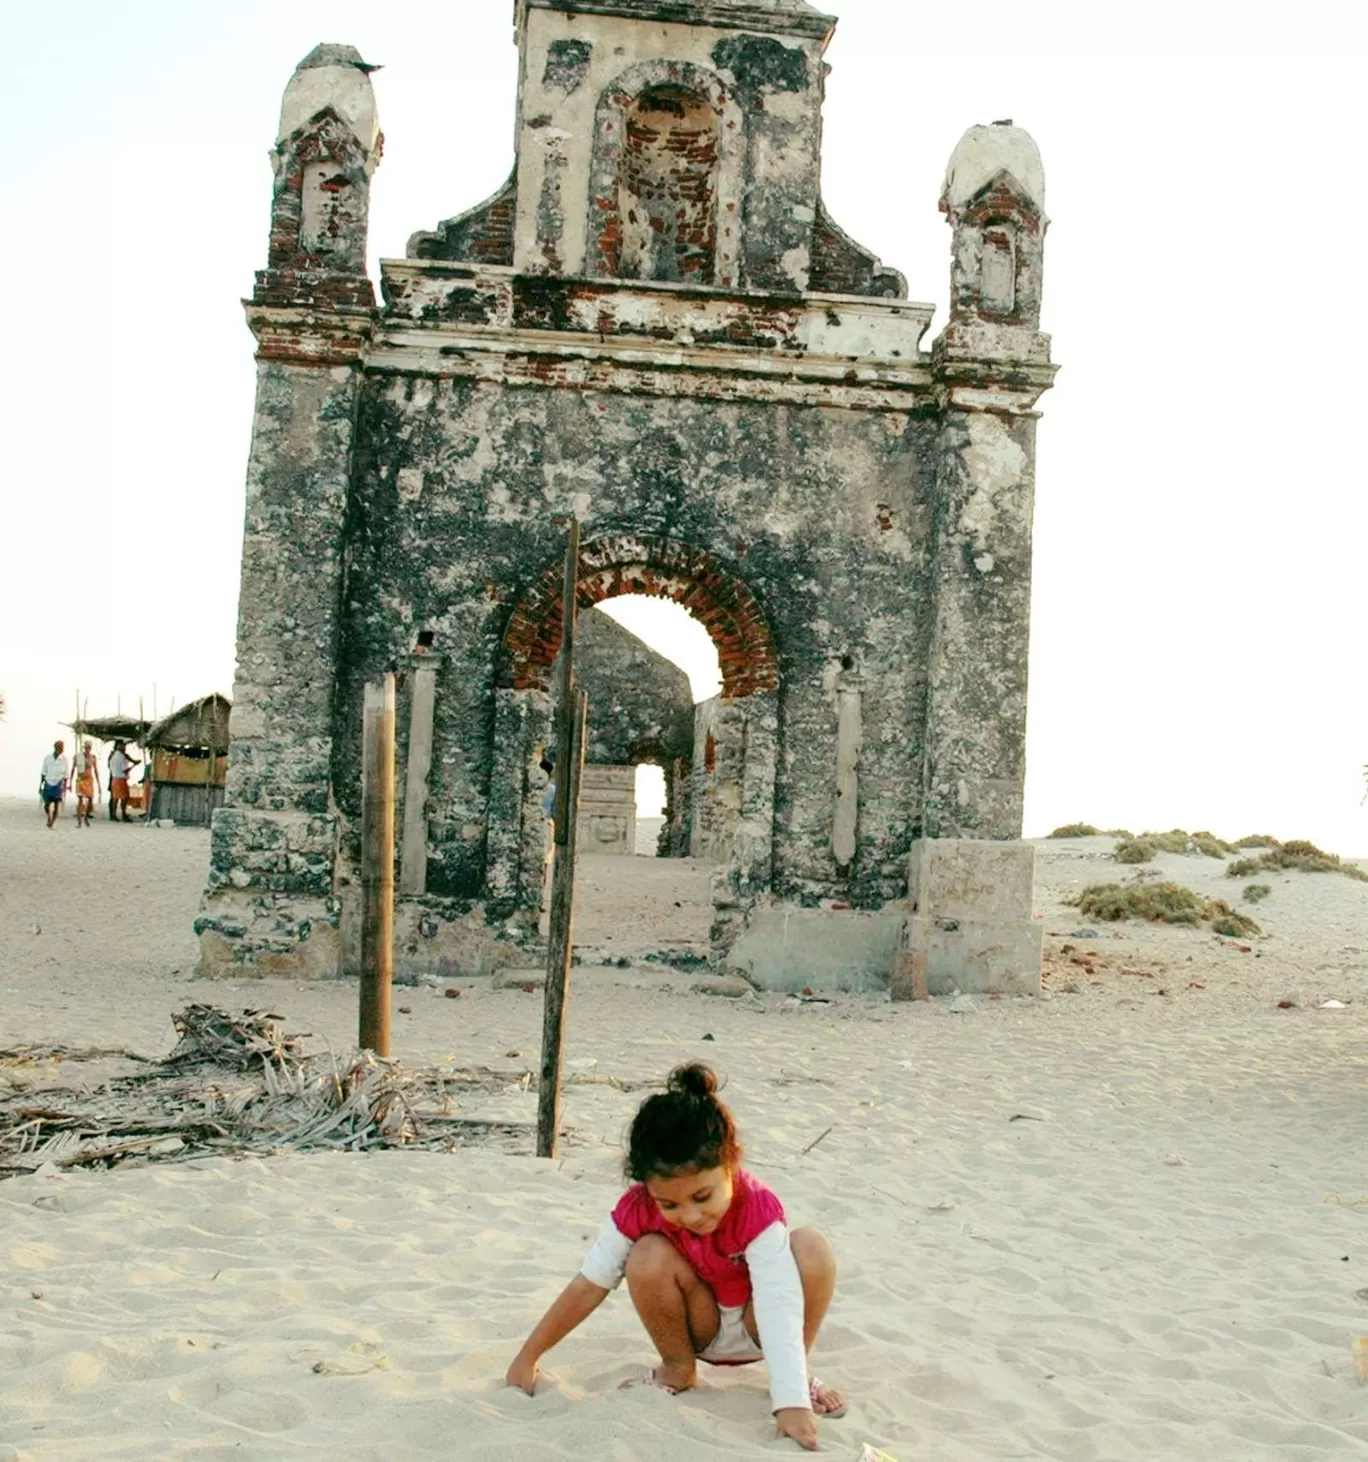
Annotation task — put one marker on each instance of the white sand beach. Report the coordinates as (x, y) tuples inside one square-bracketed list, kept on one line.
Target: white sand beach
[(1128, 1223)]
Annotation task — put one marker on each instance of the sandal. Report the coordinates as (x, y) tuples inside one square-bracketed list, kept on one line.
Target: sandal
[(815, 1389)]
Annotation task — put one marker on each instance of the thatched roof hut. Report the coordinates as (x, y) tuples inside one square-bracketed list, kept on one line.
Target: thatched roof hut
[(198, 725), (188, 752)]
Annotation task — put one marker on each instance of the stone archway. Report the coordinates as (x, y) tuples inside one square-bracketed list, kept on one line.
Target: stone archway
[(666, 568), (746, 720)]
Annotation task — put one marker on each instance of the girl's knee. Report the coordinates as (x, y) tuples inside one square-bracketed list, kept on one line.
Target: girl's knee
[(813, 1252), (652, 1255)]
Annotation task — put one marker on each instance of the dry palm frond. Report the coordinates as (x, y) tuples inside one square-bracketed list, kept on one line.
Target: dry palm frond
[(238, 1085)]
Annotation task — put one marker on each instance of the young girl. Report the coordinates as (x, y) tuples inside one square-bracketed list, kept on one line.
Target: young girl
[(711, 1266)]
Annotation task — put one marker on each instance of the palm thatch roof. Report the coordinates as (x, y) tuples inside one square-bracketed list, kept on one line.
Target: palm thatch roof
[(201, 724)]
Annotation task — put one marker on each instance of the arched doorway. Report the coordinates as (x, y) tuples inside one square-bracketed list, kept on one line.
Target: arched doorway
[(744, 724), (665, 779)]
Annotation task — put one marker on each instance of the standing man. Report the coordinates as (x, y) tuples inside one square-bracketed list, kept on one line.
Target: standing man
[(54, 774), (120, 764), (86, 769)]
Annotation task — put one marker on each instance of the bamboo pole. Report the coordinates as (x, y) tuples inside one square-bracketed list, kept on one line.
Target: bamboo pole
[(377, 864), (560, 931)]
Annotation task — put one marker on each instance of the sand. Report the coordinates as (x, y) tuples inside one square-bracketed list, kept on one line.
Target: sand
[(1115, 1224)]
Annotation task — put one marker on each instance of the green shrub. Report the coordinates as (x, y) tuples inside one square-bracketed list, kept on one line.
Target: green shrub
[(1165, 903), (1211, 845), (1173, 841), (1168, 903), (1227, 921), (1298, 854), (1256, 840), (1255, 892), (1309, 858), (1124, 834), (1136, 850), (1075, 830)]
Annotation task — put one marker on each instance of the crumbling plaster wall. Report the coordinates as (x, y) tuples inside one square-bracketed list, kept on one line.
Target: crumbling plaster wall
[(825, 515), (768, 181)]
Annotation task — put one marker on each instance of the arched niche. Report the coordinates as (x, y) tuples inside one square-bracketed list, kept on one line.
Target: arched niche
[(665, 177)]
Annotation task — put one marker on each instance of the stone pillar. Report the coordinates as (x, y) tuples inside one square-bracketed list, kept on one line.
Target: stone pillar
[(849, 742), (991, 366), (269, 905), (747, 757), (516, 823), (414, 843)]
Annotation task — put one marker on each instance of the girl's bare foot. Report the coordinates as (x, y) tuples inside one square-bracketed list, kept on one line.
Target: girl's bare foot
[(673, 1379), (826, 1400)]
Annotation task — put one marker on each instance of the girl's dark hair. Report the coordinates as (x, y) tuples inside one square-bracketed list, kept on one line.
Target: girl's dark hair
[(682, 1129)]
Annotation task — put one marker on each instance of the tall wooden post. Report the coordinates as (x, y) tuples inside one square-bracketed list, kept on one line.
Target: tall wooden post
[(571, 712), (377, 864)]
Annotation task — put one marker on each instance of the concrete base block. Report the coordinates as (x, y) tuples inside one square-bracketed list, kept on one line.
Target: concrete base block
[(267, 938), (965, 878), (971, 955), (787, 948), (970, 925)]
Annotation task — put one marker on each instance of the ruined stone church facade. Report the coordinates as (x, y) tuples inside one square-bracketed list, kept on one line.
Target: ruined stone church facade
[(657, 327)]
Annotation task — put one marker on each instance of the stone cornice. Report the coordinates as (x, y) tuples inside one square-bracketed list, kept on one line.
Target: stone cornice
[(521, 359), (312, 337), (851, 329), (985, 366), (766, 17)]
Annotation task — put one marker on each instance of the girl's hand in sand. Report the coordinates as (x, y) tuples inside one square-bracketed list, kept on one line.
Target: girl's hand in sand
[(522, 1374), (800, 1424)]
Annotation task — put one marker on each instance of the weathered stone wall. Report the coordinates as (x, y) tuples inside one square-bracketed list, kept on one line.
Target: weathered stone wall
[(705, 823), (747, 424), (824, 515), (640, 704)]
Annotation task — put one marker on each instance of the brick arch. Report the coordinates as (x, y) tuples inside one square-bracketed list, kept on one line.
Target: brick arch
[(661, 567)]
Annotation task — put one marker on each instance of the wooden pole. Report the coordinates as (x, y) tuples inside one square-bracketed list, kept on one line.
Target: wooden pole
[(560, 943), (377, 864), (565, 685), (560, 925)]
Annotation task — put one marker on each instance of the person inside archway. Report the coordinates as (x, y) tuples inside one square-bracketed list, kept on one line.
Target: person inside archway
[(548, 807)]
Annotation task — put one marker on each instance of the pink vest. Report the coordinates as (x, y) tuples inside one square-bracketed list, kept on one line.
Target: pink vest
[(718, 1258)]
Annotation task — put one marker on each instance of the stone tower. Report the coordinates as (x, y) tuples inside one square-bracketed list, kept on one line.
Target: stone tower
[(654, 325)]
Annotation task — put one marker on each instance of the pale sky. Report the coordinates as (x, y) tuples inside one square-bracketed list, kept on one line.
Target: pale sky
[(1201, 520)]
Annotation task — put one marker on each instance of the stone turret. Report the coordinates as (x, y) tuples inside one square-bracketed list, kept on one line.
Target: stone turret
[(969, 877), (269, 900), (994, 199), (327, 146)]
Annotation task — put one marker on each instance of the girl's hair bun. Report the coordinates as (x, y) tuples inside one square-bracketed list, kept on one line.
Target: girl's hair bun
[(695, 1080), (683, 1129)]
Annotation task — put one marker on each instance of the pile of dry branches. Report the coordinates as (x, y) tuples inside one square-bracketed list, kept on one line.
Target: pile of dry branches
[(237, 1085)]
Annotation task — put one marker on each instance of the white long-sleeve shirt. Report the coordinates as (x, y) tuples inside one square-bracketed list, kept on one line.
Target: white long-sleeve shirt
[(776, 1292)]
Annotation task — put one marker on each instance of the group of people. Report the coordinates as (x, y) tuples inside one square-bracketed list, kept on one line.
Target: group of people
[(83, 772)]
